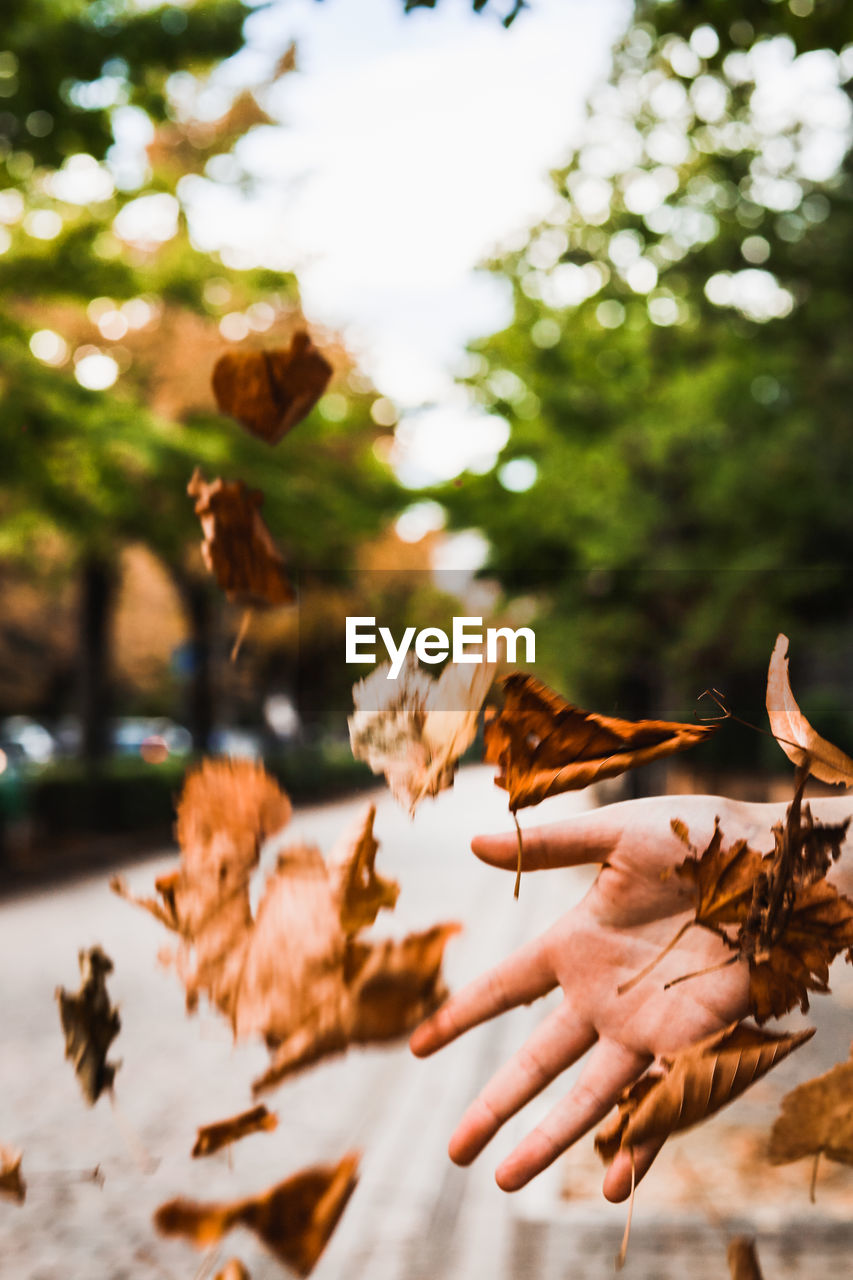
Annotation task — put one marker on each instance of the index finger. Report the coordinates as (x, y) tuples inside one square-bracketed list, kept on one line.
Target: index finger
[(584, 838), (522, 977)]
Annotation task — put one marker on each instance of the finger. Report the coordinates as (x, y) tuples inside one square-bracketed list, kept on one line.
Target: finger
[(558, 1042), (587, 837), (609, 1069), (522, 977), (617, 1180)]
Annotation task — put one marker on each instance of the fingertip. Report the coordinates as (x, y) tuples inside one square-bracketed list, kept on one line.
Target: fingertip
[(615, 1188), (510, 1178), (420, 1041), (460, 1152)]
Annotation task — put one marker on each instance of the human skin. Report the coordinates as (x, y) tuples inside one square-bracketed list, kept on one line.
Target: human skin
[(631, 912)]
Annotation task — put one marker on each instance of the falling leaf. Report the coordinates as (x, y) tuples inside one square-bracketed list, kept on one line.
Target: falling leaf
[(688, 1087), (742, 1258), (12, 1184), (792, 730), (543, 745), (90, 1025), (816, 1119), (294, 1219), (414, 729), (295, 973), (238, 548), (723, 879), (269, 392), (213, 1137), (233, 1270)]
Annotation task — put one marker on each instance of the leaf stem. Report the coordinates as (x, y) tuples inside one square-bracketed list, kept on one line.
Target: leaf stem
[(242, 632), (632, 982), (623, 1248), (520, 855), (698, 973), (813, 1183)]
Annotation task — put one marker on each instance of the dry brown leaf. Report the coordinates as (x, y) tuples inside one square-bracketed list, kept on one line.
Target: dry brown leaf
[(269, 392), (723, 879), (792, 730), (742, 1258), (90, 1024), (294, 1219), (688, 1087), (233, 1270), (543, 745), (238, 548), (415, 728), (816, 1119), (213, 1137), (12, 1184), (295, 973)]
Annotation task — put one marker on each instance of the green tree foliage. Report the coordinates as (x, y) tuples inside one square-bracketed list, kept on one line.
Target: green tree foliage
[(93, 469), (676, 366)]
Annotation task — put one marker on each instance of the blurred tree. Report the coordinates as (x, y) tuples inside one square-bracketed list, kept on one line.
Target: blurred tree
[(113, 318), (676, 485)]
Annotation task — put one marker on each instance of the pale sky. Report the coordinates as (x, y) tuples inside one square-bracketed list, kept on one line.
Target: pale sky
[(412, 146)]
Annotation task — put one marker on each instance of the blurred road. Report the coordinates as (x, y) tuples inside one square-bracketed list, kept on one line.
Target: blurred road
[(413, 1216)]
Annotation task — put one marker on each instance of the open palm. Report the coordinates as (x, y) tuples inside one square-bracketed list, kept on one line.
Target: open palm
[(631, 912)]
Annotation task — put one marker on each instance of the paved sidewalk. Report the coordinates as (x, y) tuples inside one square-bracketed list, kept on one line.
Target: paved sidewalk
[(414, 1216)]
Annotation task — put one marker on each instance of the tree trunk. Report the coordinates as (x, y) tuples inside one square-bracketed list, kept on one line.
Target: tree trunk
[(198, 603), (97, 593)]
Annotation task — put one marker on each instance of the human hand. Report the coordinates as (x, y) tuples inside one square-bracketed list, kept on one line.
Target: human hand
[(632, 911)]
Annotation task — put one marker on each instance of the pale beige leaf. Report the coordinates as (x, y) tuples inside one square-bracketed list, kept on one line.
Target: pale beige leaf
[(414, 729), (800, 742)]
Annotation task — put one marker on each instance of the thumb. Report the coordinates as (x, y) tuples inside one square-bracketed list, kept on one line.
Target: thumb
[(584, 838)]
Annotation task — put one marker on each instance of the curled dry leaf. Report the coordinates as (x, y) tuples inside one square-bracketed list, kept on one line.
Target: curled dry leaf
[(543, 745), (415, 728), (742, 1258), (792, 730), (269, 392), (213, 1137), (12, 1184), (687, 1087), (791, 923), (90, 1024), (294, 1219), (294, 973), (238, 548), (816, 1119)]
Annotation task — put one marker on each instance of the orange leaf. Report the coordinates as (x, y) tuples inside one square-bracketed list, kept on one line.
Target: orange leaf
[(295, 973), (816, 1119), (795, 735), (213, 1137), (544, 745), (294, 1219), (237, 547), (269, 392), (12, 1184)]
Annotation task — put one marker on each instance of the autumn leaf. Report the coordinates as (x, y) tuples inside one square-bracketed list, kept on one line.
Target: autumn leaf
[(269, 392), (12, 1184), (295, 972), (543, 745), (233, 1270), (816, 1119), (90, 1025), (792, 731), (213, 1137), (742, 1258), (238, 548), (415, 728), (687, 1087), (294, 1219), (723, 879)]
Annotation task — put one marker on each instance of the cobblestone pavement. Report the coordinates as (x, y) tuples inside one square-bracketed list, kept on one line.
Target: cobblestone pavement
[(414, 1216)]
